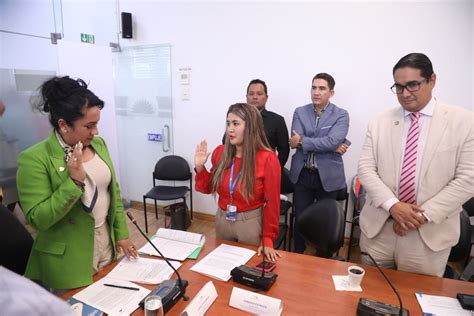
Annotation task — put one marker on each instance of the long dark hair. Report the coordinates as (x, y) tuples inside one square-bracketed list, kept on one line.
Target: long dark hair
[(64, 98), (254, 140)]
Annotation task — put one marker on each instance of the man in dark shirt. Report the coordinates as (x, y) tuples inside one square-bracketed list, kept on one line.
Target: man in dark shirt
[(274, 124)]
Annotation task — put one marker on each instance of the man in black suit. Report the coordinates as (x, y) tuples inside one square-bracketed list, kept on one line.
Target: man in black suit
[(274, 124)]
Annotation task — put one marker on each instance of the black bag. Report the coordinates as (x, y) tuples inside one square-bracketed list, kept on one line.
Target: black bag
[(179, 216)]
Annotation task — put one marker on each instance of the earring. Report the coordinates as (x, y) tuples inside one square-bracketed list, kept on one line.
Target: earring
[(64, 130)]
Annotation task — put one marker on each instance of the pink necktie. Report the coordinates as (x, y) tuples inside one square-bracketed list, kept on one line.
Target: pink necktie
[(406, 193)]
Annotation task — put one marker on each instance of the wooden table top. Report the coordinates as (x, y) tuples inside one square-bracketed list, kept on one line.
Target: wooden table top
[(305, 286)]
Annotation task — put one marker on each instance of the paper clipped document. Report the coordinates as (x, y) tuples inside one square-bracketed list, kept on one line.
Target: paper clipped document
[(219, 262), (440, 305), (202, 301), (255, 303), (143, 270), (113, 300), (173, 244)]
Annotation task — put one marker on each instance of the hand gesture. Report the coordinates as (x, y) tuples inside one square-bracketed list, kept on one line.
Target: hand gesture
[(295, 140), (201, 155), (409, 216), (270, 253), (128, 249), (76, 169), (341, 150)]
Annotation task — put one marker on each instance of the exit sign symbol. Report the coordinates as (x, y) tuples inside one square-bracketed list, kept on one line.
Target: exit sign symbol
[(87, 38)]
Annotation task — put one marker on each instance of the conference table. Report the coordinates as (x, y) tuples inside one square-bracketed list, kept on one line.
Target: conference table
[(305, 285)]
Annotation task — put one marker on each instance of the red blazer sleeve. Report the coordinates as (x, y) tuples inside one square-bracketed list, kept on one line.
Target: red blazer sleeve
[(203, 178), (271, 191)]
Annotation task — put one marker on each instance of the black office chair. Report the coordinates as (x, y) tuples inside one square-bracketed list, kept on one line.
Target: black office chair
[(16, 242), (169, 168), (286, 187), (322, 224), (468, 273), (462, 249), (343, 195), (358, 197), (469, 207)]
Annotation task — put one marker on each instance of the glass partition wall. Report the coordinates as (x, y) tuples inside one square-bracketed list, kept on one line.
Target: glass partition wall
[(141, 75)]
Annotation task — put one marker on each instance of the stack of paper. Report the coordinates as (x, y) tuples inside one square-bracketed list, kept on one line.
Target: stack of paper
[(121, 299), (440, 305), (218, 263), (143, 270), (174, 244)]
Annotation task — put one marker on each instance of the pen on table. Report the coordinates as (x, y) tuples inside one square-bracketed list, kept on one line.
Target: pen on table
[(122, 287)]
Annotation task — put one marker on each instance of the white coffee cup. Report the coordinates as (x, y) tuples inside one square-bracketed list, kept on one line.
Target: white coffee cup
[(355, 274)]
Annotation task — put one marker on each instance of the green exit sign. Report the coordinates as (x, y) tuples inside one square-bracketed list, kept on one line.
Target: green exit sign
[(87, 38)]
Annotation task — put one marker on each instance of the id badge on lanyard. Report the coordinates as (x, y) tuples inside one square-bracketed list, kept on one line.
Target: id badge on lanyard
[(231, 212)]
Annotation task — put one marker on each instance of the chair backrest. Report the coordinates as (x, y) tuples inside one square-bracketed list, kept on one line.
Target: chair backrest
[(16, 242), (462, 249), (469, 207), (286, 184), (358, 193), (342, 194), (172, 168), (322, 223)]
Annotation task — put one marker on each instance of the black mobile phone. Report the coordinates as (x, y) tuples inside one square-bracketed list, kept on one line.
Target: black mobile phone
[(466, 300), (347, 142), (269, 266)]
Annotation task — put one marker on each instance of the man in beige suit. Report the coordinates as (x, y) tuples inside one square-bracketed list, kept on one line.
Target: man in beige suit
[(417, 167)]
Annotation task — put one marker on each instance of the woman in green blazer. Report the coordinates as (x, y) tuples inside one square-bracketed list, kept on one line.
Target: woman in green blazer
[(69, 192)]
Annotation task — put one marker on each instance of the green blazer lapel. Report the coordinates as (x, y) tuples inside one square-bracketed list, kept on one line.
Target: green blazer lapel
[(56, 156), (396, 125), (438, 125)]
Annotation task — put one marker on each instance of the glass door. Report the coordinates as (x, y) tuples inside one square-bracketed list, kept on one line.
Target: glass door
[(142, 77)]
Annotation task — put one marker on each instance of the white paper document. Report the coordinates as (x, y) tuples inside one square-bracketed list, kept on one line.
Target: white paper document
[(202, 301), (255, 303), (219, 262), (113, 300), (341, 283), (173, 244), (143, 270), (441, 305)]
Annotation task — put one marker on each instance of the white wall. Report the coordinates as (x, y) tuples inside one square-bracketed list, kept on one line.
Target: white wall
[(286, 43)]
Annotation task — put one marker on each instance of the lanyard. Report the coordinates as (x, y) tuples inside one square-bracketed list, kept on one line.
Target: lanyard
[(232, 184)]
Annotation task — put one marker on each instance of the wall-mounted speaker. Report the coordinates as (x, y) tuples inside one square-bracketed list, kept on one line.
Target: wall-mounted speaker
[(127, 31)]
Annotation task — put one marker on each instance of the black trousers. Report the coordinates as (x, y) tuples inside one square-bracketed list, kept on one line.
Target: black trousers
[(307, 190)]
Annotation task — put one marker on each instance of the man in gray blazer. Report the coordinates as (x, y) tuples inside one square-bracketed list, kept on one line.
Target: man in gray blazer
[(319, 131), (417, 167)]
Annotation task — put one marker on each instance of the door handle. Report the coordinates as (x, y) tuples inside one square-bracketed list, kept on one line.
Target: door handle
[(167, 139)]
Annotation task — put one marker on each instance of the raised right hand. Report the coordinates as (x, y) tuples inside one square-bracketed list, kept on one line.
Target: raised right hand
[(201, 155), (75, 166)]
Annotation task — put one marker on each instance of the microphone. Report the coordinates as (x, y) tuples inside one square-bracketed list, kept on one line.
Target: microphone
[(251, 276), (367, 307), (169, 290)]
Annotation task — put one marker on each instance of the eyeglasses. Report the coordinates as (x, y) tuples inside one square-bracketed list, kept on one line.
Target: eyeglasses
[(411, 86)]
